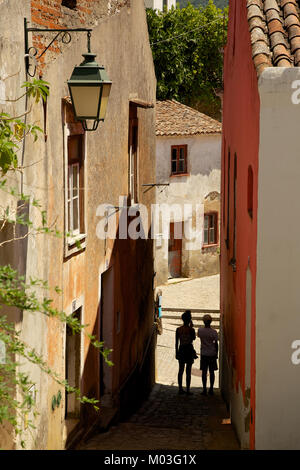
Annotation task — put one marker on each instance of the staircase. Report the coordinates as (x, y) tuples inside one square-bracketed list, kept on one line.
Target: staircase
[(173, 316)]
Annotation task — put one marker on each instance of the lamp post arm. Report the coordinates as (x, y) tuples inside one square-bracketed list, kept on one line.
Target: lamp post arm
[(66, 39)]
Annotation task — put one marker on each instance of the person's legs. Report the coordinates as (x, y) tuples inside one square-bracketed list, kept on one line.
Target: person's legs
[(204, 375), (180, 374), (212, 381), (188, 372), (212, 368)]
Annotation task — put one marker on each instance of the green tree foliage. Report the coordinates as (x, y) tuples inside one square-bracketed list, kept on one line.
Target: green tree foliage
[(187, 52), (13, 130)]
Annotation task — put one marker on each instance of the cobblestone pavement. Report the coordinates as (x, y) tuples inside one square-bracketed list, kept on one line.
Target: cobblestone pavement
[(167, 420)]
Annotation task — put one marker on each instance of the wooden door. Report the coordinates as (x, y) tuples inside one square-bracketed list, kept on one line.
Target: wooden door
[(107, 329), (175, 250)]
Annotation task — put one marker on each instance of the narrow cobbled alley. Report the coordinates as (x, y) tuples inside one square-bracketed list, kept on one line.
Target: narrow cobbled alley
[(167, 420), (170, 421)]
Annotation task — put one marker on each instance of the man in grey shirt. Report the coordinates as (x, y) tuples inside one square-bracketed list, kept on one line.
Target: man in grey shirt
[(209, 353)]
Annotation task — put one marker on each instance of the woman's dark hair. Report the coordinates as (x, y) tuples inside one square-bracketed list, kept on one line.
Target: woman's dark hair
[(186, 316)]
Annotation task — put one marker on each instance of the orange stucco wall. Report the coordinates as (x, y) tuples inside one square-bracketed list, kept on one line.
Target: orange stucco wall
[(240, 138)]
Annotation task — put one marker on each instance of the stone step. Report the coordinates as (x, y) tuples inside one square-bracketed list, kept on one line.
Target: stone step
[(175, 314), (192, 310), (172, 313), (215, 318)]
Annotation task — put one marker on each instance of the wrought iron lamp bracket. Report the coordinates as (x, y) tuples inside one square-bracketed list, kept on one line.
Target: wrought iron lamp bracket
[(66, 37)]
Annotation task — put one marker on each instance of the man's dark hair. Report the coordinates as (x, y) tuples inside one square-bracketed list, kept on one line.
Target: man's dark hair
[(207, 319)]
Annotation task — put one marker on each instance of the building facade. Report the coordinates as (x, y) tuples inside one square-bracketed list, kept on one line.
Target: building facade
[(259, 248), (160, 4), (106, 282), (188, 172)]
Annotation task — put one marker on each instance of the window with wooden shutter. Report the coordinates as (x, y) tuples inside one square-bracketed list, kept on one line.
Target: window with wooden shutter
[(210, 229), (178, 159)]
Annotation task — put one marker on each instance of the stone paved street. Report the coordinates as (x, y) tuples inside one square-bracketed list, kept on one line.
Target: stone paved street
[(195, 293), (167, 420)]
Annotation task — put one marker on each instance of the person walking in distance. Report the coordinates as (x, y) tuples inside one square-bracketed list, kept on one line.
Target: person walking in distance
[(209, 353), (185, 353)]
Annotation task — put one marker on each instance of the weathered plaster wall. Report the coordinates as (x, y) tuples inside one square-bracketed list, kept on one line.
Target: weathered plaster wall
[(204, 162), (121, 44), (240, 138), (206, 262), (278, 268)]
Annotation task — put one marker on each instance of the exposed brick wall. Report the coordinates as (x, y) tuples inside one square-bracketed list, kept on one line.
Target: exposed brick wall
[(52, 14)]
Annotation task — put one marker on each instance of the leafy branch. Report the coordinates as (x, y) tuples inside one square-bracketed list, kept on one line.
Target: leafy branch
[(13, 130), (15, 292), (187, 52)]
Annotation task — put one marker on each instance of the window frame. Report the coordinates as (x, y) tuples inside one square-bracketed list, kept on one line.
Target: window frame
[(133, 154), (73, 365), (185, 169), (71, 128), (215, 215), (72, 198), (78, 161)]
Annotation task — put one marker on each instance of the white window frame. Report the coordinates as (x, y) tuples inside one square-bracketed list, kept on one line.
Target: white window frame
[(70, 246), (71, 199)]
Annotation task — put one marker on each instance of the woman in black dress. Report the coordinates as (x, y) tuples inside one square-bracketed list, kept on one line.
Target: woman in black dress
[(185, 353)]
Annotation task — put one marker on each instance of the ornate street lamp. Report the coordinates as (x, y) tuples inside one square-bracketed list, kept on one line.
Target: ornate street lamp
[(89, 88), (89, 84)]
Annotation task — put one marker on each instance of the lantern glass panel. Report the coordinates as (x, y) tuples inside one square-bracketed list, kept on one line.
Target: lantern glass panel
[(86, 100), (104, 100)]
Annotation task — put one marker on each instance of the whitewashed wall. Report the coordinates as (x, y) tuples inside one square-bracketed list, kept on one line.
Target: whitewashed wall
[(158, 4), (278, 262), (204, 168)]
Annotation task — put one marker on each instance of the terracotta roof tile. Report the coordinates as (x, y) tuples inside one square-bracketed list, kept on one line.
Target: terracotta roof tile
[(174, 118), (275, 33)]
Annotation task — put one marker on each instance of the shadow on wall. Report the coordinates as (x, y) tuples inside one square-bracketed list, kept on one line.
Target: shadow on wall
[(133, 337)]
